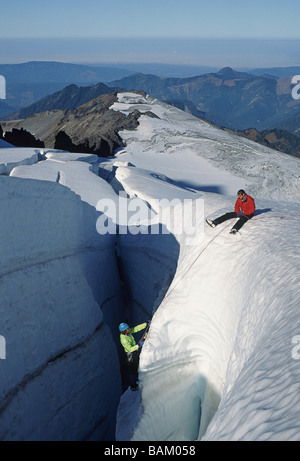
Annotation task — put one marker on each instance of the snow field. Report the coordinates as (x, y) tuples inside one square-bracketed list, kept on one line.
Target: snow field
[(11, 157)]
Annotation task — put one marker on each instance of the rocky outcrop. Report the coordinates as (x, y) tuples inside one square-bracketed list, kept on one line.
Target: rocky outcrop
[(21, 138), (91, 128), (97, 127)]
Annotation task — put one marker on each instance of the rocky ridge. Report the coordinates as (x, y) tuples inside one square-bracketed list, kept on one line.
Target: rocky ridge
[(90, 128)]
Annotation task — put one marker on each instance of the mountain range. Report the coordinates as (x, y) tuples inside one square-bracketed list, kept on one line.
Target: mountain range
[(228, 98), (29, 82), (68, 98), (206, 89), (259, 107)]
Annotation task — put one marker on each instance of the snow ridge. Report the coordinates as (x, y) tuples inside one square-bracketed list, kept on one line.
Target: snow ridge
[(204, 333)]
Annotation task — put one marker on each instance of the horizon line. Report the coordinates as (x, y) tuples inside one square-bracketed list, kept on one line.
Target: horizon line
[(117, 63), (121, 37)]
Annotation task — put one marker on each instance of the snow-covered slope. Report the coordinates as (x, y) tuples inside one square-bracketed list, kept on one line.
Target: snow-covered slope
[(186, 149), (219, 362), (220, 343)]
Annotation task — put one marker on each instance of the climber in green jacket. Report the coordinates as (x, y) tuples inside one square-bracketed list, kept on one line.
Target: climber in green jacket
[(126, 338), (132, 350)]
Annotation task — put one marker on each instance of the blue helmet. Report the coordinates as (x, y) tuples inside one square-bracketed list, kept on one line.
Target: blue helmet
[(123, 326)]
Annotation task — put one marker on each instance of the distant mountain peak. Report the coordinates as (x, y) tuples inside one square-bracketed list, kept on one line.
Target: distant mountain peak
[(225, 70), (228, 72)]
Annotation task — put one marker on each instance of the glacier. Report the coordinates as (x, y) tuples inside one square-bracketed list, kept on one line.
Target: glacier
[(52, 316), (220, 361)]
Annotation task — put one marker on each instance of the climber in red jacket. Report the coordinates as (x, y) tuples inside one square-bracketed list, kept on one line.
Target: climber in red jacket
[(245, 205)]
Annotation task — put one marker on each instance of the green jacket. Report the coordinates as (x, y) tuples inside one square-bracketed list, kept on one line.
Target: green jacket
[(128, 341)]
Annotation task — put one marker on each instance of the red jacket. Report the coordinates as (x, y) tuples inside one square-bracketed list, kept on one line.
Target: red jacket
[(247, 206)]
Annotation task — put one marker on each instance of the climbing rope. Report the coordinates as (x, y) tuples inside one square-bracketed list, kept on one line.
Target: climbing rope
[(295, 217), (196, 259)]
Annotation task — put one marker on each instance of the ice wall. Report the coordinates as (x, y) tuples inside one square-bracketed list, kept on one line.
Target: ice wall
[(59, 288), (147, 267)]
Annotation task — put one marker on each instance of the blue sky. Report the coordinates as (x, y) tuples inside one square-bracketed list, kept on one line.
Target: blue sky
[(195, 32)]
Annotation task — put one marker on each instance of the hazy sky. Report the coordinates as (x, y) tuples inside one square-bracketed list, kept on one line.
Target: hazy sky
[(197, 32)]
